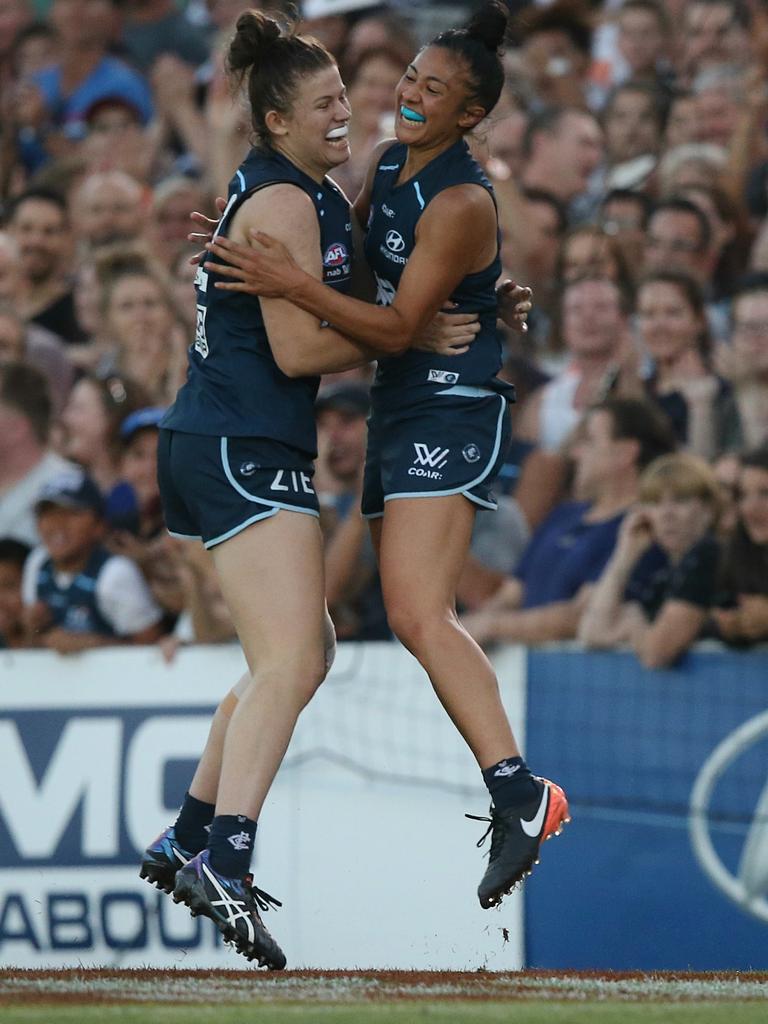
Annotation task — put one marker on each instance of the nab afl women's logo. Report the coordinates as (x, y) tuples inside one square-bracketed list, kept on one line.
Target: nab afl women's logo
[(335, 255)]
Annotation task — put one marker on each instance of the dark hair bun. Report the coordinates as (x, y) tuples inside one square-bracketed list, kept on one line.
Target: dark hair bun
[(489, 24), (255, 33)]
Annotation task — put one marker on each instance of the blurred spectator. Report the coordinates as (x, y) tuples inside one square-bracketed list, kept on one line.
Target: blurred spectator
[(633, 123), (143, 339), (13, 555), (729, 232), (682, 127), (78, 595), (116, 139), (589, 251), (563, 147), (154, 27), (714, 32), (371, 82), (15, 16), (624, 216), (35, 347), (39, 223), (108, 207), (26, 460), (556, 44), (52, 118), (744, 582), (673, 330), (353, 588), (679, 238), (91, 425), (744, 363), (172, 202), (34, 48), (567, 553), (143, 515), (643, 40), (597, 350), (693, 163), (659, 586)]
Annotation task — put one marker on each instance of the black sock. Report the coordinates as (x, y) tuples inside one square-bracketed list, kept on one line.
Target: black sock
[(192, 824), (231, 844), (510, 783)]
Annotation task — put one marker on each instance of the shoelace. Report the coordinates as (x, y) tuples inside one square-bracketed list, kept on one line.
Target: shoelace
[(494, 823), (261, 898)]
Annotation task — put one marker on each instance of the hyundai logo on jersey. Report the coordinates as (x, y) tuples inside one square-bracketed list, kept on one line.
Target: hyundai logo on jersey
[(395, 242)]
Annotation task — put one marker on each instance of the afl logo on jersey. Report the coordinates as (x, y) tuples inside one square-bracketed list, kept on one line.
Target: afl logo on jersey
[(335, 255), (394, 241)]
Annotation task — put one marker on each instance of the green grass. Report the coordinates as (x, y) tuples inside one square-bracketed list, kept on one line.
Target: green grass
[(509, 1012)]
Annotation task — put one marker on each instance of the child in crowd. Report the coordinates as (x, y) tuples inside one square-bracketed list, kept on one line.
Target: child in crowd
[(78, 595)]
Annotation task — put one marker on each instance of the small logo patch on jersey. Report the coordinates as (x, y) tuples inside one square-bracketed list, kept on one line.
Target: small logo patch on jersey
[(387, 210), (395, 241), (335, 255), (248, 469), (442, 377), (471, 452)]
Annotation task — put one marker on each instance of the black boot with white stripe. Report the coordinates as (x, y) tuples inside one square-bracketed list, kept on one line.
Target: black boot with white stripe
[(233, 905)]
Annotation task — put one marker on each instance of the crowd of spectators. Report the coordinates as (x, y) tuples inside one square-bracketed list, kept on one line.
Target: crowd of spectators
[(629, 155)]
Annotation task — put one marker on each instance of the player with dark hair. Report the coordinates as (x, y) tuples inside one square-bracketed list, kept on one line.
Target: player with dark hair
[(235, 466), (439, 427)]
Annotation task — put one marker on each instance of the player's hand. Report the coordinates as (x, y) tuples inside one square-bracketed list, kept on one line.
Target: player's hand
[(208, 224), (268, 270), (515, 303), (449, 334)]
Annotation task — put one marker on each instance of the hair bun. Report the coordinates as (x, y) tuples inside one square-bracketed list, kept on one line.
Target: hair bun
[(255, 33), (489, 24)]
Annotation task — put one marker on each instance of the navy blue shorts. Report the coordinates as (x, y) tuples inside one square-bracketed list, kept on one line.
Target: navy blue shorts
[(214, 487), (452, 442)]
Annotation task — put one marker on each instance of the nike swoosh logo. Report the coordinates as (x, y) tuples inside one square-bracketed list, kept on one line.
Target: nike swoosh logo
[(533, 827)]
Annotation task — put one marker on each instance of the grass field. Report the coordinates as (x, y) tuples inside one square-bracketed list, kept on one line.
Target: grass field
[(93, 996)]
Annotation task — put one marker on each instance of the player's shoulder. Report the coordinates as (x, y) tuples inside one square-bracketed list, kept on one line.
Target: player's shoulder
[(282, 203), (466, 201)]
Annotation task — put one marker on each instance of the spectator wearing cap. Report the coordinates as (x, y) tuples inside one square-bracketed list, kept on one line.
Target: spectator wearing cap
[(116, 139), (78, 595), (26, 460), (134, 503), (83, 74), (353, 589)]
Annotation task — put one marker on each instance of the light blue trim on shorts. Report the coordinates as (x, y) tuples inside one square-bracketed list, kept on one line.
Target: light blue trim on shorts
[(372, 515), (467, 391), (239, 529), (275, 505), (465, 488), (184, 536)]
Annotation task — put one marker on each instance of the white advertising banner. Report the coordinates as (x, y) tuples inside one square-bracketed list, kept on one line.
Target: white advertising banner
[(363, 836)]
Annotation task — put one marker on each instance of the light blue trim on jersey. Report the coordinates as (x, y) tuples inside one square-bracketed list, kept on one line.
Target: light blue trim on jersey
[(465, 488), (241, 178), (419, 196), (239, 529), (389, 167), (255, 497), (467, 391)]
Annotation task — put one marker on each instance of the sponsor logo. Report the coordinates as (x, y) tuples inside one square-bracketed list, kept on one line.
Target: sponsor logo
[(240, 840), (201, 341), (394, 241), (534, 826), (747, 883), (505, 771), (387, 210), (335, 255), (385, 292), (248, 469), (428, 461), (471, 452), (442, 377)]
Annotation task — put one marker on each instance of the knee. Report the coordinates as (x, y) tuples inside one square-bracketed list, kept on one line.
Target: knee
[(417, 628)]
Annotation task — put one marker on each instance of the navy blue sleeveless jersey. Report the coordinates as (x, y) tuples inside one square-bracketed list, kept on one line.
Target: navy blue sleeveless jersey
[(390, 239), (234, 387), (75, 608)]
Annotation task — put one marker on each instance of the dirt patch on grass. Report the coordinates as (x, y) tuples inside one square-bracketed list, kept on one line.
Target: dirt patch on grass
[(108, 986)]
